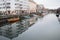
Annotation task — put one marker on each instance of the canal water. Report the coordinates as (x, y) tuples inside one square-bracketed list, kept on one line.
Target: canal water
[(46, 28)]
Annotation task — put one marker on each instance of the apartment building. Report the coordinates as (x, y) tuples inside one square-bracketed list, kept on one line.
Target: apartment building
[(14, 6), (33, 6)]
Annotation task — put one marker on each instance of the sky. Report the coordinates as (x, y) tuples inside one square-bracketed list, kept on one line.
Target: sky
[(51, 4)]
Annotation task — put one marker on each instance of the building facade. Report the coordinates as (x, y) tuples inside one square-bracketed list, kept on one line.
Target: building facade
[(32, 6), (14, 6), (40, 8)]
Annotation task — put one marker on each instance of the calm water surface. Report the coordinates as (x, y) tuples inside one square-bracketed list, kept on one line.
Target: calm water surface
[(46, 28)]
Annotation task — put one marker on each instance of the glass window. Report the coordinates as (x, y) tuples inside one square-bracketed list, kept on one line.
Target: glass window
[(3, 7), (21, 1), (8, 7), (17, 0), (16, 4), (21, 7), (3, 0), (8, 3), (20, 4)]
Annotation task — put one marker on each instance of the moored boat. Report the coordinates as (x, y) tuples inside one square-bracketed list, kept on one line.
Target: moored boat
[(12, 20)]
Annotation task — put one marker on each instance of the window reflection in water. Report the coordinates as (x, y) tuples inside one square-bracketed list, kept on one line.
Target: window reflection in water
[(52, 28), (12, 30)]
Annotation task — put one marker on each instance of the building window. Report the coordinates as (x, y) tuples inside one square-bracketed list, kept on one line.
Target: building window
[(8, 3), (3, 7), (3, 0), (3, 3), (9, 12), (16, 4), (20, 4), (22, 11), (21, 7), (21, 1), (8, 0), (17, 0), (8, 7)]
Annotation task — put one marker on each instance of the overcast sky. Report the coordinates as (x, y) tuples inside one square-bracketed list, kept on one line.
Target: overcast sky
[(51, 4)]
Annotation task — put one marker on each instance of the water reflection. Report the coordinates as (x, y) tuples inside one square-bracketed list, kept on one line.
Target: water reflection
[(58, 17), (12, 30), (46, 28)]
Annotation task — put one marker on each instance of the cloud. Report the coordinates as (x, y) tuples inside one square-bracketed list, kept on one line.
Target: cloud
[(52, 4)]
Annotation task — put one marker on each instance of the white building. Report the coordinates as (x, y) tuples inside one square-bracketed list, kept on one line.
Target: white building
[(32, 6), (14, 6)]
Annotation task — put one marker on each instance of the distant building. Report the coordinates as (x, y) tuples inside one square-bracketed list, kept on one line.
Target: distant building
[(40, 8), (14, 6), (32, 6), (58, 11)]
